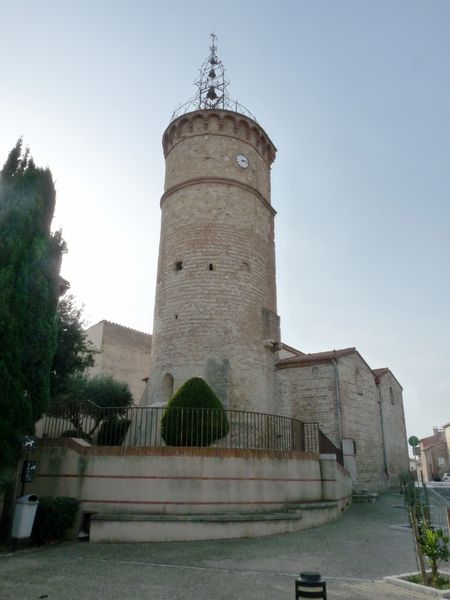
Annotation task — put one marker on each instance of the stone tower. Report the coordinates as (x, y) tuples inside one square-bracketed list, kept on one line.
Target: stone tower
[(215, 309)]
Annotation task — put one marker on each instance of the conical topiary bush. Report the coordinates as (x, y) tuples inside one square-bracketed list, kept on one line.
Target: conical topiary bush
[(194, 416)]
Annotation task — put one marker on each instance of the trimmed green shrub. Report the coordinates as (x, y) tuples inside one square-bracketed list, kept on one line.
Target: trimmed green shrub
[(112, 432), (54, 516), (194, 416)]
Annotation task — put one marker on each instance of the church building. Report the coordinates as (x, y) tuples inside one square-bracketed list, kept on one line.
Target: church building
[(216, 305)]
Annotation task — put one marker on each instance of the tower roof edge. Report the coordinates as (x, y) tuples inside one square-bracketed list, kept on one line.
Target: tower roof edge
[(197, 122)]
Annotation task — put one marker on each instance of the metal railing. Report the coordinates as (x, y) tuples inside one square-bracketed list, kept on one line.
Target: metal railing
[(188, 427), (193, 104)]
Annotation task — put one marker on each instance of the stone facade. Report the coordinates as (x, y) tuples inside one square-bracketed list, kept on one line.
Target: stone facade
[(215, 307), (394, 426), (123, 353), (359, 409)]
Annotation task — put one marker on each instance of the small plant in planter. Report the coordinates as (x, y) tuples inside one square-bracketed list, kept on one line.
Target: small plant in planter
[(430, 544), (435, 547)]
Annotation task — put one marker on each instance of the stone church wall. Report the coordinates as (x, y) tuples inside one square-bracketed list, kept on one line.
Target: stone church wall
[(361, 422), (308, 393), (394, 426)]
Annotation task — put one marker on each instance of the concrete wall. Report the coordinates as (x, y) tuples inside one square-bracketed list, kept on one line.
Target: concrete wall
[(335, 499), (123, 353), (168, 480), (193, 481)]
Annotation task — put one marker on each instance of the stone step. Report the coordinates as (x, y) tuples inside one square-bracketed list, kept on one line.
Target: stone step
[(157, 527), (364, 496), (310, 505), (197, 517)]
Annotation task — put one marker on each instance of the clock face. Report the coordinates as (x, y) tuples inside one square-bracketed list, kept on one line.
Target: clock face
[(242, 161)]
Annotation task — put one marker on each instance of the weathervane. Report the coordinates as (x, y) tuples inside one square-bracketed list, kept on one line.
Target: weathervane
[(212, 88)]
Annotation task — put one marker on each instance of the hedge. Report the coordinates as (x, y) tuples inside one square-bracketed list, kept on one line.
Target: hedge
[(54, 517)]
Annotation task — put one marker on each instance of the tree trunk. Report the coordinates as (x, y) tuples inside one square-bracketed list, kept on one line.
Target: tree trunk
[(423, 570)]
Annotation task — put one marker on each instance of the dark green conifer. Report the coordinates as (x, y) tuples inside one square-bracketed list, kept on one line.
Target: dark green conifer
[(30, 257), (194, 416)]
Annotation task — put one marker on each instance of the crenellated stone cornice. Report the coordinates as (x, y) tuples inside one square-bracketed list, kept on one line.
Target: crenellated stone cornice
[(219, 122)]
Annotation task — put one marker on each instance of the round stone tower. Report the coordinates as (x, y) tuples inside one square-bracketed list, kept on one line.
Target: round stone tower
[(215, 310)]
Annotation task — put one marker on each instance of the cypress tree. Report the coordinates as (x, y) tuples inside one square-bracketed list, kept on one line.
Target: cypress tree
[(30, 257)]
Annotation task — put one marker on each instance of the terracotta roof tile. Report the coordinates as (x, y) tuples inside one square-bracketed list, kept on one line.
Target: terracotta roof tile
[(314, 357), (380, 372)]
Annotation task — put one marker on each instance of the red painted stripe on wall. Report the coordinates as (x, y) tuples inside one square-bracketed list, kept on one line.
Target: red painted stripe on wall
[(174, 502), (181, 477)]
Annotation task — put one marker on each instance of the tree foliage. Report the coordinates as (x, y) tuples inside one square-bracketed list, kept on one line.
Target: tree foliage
[(74, 352), (435, 547), (90, 402), (430, 543), (30, 257), (194, 416)]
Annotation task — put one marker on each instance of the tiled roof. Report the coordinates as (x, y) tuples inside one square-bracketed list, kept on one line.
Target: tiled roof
[(303, 360), (314, 357), (432, 440), (383, 371), (380, 372)]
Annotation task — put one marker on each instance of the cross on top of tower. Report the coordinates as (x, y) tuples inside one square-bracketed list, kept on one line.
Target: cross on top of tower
[(212, 88)]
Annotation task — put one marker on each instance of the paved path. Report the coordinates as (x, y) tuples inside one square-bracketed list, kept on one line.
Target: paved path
[(353, 554)]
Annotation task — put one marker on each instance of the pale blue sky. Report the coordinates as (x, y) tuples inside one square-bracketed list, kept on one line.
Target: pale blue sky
[(355, 95)]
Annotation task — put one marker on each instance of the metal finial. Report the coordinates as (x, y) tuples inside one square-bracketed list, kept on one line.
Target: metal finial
[(211, 83), (212, 87)]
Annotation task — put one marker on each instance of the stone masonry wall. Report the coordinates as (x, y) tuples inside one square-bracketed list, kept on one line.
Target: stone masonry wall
[(361, 421), (215, 309), (308, 393), (394, 426), (124, 354)]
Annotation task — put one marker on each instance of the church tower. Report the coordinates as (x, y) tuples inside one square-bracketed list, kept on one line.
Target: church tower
[(215, 309)]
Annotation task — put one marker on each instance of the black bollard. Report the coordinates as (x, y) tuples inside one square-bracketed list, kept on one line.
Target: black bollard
[(310, 585)]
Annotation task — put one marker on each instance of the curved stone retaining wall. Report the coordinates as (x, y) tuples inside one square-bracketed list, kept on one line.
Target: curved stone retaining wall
[(120, 484)]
